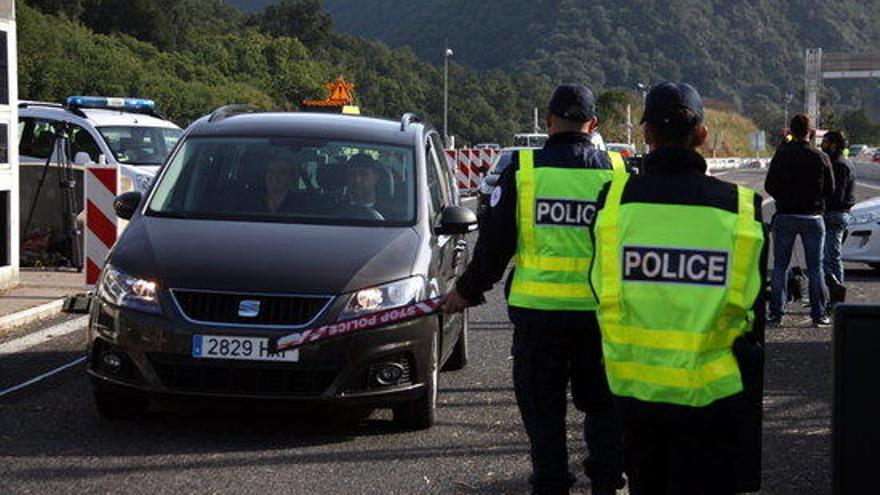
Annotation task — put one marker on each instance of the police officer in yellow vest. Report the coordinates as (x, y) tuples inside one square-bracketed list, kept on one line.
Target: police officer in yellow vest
[(679, 271), (540, 214)]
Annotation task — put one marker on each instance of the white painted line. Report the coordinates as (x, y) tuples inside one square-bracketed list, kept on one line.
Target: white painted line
[(722, 174), (42, 377), (32, 314), (45, 335), (869, 186)]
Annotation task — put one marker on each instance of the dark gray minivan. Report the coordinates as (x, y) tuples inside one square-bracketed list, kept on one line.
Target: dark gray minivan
[(262, 224)]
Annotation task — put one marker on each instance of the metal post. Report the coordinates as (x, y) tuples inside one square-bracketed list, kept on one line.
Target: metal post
[(644, 89), (537, 125), (446, 54), (786, 100), (812, 83), (629, 124)]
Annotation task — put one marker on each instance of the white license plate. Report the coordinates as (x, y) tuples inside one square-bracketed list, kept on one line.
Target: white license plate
[(238, 348)]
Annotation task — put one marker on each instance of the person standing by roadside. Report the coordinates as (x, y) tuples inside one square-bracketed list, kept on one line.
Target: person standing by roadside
[(801, 181), (837, 208), (539, 214)]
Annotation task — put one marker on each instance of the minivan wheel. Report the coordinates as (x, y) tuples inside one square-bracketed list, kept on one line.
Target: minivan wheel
[(118, 404), (419, 414), (459, 357)]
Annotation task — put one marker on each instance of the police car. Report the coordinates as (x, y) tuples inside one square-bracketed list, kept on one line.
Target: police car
[(861, 243), (127, 133)]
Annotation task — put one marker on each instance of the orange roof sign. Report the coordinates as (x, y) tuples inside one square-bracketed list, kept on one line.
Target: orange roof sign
[(340, 95)]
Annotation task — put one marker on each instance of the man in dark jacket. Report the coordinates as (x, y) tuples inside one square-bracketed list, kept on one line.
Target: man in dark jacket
[(837, 208), (556, 337), (801, 181)]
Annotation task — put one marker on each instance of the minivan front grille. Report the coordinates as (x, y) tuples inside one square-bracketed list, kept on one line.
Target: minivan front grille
[(249, 309)]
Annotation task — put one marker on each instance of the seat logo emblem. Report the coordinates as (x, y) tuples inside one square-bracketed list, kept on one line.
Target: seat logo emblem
[(248, 308)]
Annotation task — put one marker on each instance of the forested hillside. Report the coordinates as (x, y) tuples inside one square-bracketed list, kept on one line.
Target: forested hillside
[(192, 56), (747, 52)]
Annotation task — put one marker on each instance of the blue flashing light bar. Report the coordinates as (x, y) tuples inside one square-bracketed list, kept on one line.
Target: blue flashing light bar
[(105, 102)]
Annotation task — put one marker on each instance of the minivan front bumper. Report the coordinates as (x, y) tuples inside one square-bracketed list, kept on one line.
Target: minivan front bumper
[(155, 357)]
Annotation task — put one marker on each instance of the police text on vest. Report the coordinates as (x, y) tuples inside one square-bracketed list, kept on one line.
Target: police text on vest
[(565, 212), (675, 265)]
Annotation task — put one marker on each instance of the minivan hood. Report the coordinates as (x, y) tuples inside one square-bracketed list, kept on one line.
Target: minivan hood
[(264, 257)]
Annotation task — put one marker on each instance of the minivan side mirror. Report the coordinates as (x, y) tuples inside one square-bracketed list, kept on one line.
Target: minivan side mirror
[(456, 220), (126, 203)]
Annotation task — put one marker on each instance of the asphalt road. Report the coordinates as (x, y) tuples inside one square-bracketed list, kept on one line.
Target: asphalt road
[(52, 440)]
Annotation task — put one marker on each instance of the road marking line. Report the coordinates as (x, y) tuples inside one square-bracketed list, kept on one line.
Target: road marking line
[(869, 186), (45, 335), (42, 377)]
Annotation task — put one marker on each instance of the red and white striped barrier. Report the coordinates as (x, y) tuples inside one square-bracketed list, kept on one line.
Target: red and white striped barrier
[(102, 227), (470, 166), (347, 327)]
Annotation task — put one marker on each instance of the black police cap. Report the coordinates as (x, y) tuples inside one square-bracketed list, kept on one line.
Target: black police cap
[(573, 102), (665, 101)]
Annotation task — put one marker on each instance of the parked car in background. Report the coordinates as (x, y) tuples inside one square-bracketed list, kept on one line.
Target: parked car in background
[(856, 150), (491, 179), (625, 150), (861, 242)]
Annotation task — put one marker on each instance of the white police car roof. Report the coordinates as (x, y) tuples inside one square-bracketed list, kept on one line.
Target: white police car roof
[(98, 117)]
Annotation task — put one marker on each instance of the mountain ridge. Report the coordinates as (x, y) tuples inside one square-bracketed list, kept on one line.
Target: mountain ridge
[(748, 52)]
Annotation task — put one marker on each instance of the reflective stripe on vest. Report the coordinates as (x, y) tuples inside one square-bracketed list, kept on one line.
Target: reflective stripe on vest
[(555, 208), (675, 286)]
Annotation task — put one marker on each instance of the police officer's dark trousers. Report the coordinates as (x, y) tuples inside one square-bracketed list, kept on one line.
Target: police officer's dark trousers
[(549, 353)]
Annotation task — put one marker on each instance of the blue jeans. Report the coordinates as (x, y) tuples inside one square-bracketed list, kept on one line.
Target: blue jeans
[(835, 226), (812, 231)]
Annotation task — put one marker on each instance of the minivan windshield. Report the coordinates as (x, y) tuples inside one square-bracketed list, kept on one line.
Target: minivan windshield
[(296, 180), (138, 145)]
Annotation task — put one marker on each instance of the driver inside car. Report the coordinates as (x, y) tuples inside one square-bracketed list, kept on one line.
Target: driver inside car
[(363, 183)]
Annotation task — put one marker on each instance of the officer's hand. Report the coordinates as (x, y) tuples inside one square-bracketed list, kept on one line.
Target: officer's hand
[(454, 303)]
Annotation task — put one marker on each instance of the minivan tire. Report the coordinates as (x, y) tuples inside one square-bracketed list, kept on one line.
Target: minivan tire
[(119, 405), (419, 414), (459, 358)]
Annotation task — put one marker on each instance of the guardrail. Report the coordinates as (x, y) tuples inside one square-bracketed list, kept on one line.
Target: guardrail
[(733, 163)]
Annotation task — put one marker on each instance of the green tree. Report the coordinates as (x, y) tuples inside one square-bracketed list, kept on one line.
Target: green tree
[(859, 128), (304, 20)]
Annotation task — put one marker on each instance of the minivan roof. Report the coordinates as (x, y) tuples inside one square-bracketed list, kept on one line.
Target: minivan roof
[(309, 125)]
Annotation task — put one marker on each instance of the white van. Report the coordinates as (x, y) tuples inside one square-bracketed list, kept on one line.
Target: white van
[(127, 133)]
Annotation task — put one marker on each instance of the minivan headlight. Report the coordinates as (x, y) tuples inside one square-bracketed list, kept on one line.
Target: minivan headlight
[(121, 289), (383, 297)]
